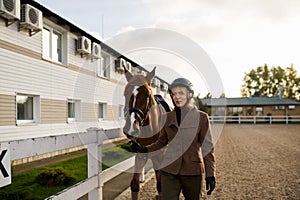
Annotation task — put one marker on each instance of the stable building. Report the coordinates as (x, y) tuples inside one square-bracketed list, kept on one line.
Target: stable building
[(56, 78)]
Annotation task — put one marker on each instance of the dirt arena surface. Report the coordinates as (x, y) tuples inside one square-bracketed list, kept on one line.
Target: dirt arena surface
[(253, 162)]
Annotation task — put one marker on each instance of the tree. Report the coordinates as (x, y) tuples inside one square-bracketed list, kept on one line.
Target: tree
[(208, 96), (201, 106), (263, 81), (222, 95)]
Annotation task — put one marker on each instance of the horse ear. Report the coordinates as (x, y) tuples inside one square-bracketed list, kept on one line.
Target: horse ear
[(150, 76), (128, 74)]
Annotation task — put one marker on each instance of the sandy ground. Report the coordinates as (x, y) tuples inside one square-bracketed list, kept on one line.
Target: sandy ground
[(253, 162)]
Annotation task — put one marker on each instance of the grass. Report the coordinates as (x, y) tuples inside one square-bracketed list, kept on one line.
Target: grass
[(24, 186), (112, 156)]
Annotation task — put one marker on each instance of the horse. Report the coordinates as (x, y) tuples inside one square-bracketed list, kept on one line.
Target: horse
[(144, 117)]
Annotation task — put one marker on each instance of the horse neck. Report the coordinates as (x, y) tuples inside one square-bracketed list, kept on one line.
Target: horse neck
[(154, 116)]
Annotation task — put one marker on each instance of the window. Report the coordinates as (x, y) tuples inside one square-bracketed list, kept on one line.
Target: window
[(102, 111), (104, 68), (234, 111), (218, 111), (292, 107), (259, 111), (121, 112), (274, 107), (73, 110), (249, 111), (28, 109), (52, 45)]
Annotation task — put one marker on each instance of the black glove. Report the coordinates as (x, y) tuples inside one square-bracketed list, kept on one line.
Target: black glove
[(210, 184), (138, 148)]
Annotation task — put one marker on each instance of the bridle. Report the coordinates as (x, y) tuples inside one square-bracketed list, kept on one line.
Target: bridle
[(142, 116)]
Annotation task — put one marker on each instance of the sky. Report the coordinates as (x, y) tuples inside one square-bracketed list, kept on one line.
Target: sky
[(236, 35)]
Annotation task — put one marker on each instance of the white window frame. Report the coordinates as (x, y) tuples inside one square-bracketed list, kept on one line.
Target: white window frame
[(77, 112), (36, 110), (121, 112), (292, 107), (274, 107), (105, 62), (63, 46), (259, 111), (104, 111)]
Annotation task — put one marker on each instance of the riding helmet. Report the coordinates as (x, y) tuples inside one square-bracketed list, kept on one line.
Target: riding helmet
[(182, 82)]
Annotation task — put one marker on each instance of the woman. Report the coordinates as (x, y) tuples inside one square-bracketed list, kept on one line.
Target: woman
[(189, 151)]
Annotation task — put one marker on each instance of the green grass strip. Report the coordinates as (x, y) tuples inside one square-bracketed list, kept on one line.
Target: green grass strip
[(24, 187)]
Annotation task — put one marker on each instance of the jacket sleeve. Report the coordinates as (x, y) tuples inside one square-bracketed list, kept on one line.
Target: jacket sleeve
[(161, 142), (207, 146)]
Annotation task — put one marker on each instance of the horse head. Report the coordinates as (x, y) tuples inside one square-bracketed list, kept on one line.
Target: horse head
[(139, 105)]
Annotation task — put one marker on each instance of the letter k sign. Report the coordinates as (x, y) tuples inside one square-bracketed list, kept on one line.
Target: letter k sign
[(5, 169)]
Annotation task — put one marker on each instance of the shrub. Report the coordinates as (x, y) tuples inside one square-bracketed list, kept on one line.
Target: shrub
[(54, 177)]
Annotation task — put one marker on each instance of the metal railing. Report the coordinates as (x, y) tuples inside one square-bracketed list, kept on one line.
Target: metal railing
[(255, 119)]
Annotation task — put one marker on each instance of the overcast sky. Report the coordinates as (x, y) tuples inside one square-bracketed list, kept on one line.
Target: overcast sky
[(237, 35)]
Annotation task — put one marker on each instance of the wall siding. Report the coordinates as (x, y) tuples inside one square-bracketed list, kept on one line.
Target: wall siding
[(113, 112), (7, 110), (89, 112), (295, 111), (53, 111), (20, 38)]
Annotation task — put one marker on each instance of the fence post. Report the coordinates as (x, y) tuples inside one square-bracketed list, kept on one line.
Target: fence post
[(95, 162), (142, 177)]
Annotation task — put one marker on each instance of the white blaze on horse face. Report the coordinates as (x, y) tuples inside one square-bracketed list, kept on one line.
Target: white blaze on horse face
[(132, 121), (132, 115), (134, 93)]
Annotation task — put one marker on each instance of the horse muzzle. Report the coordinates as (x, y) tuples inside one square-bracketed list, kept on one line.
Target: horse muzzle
[(131, 130)]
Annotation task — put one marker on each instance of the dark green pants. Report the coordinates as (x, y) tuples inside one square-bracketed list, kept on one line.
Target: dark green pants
[(172, 185)]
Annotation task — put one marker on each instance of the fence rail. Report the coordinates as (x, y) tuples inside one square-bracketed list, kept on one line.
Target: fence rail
[(93, 139), (255, 119)]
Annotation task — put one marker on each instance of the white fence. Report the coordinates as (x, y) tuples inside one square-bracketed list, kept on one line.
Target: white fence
[(255, 119), (93, 139)]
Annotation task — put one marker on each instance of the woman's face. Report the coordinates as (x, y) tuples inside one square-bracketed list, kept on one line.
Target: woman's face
[(180, 96)]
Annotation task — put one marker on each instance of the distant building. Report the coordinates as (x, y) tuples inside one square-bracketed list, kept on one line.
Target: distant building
[(253, 106)]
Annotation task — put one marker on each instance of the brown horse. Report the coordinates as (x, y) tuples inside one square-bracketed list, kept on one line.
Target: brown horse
[(144, 117)]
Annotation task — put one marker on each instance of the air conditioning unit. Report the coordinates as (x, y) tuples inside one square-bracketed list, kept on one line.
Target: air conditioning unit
[(164, 87), (128, 66), (155, 82), (96, 50), (10, 9), (134, 70), (120, 64), (31, 18), (83, 45)]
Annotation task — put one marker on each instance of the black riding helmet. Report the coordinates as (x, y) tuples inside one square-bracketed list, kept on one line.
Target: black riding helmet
[(182, 82)]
